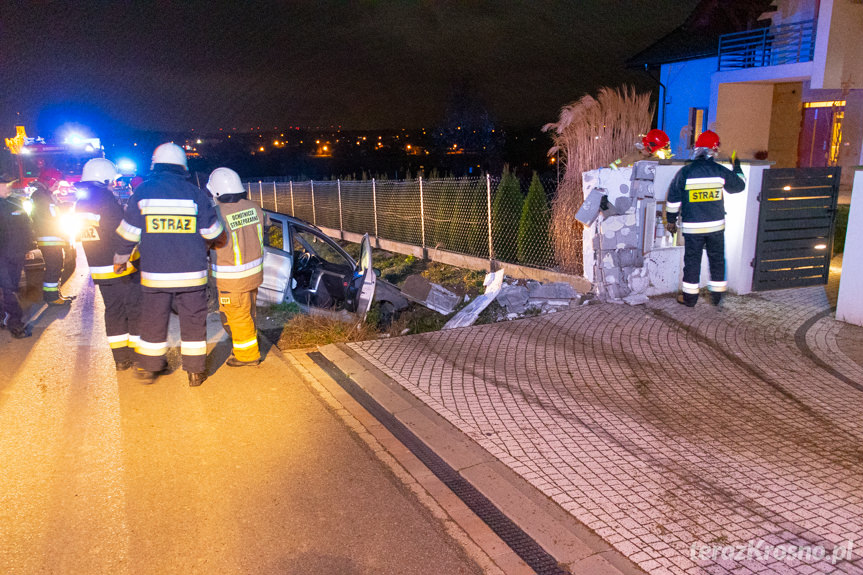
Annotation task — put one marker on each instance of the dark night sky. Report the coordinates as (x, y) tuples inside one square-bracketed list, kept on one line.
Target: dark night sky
[(176, 66)]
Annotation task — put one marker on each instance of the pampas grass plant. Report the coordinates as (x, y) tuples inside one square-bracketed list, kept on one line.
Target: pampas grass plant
[(591, 133)]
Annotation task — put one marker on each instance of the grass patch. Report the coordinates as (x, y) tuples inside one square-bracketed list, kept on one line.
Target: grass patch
[(841, 228), (304, 330), (458, 280)]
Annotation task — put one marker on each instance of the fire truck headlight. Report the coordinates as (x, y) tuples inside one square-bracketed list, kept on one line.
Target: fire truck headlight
[(126, 166), (70, 225)]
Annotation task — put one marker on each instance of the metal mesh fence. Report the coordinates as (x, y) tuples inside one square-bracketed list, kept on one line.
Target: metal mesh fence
[(489, 217)]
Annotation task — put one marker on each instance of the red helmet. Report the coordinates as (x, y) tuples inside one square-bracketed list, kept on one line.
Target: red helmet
[(707, 139), (49, 176), (655, 140)]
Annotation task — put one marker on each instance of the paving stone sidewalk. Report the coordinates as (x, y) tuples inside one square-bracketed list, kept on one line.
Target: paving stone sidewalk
[(692, 440)]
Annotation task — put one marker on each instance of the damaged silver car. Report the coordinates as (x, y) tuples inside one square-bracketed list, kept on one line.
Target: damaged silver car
[(304, 265)]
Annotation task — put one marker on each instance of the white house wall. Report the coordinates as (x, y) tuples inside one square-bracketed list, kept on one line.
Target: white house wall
[(687, 88), (849, 307), (838, 45)]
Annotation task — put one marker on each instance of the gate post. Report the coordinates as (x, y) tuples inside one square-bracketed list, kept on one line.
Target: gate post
[(293, 213), (275, 198)]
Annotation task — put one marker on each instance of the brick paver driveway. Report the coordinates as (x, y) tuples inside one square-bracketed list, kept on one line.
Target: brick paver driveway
[(693, 440)]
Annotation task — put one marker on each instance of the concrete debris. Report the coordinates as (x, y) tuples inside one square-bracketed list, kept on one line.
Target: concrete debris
[(535, 298), (432, 296), (513, 298), (467, 316), (636, 299)]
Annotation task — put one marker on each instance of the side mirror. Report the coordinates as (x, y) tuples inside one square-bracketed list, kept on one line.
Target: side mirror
[(377, 272)]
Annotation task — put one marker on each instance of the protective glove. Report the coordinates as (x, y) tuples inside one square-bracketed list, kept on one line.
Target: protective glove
[(671, 227), (736, 167), (120, 262)]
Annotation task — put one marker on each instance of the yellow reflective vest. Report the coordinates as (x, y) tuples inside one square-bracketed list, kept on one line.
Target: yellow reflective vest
[(238, 266)]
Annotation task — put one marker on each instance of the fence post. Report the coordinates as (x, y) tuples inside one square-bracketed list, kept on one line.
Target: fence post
[(293, 213), (314, 215), (275, 198), (249, 188), (422, 216), (341, 225), (261, 191), (488, 211), (375, 207)]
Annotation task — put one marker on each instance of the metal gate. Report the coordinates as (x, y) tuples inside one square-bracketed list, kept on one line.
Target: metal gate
[(795, 227)]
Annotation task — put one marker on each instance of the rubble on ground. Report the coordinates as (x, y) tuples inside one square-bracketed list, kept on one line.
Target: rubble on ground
[(514, 298), (431, 295)]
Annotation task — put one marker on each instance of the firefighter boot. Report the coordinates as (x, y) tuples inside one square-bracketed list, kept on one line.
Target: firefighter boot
[(716, 298), (687, 299), (146, 377), (234, 362), (196, 379), (56, 300)]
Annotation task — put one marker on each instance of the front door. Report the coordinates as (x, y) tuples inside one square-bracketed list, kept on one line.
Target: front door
[(821, 134)]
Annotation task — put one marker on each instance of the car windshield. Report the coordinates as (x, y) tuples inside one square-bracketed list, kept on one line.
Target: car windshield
[(317, 246)]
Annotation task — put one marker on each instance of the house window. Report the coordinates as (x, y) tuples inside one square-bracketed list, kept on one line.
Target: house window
[(696, 124)]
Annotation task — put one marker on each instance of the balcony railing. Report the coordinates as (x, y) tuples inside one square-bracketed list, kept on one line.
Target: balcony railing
[(785, 44)]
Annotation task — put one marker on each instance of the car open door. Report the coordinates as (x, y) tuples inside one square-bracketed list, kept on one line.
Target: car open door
[(364, 279)]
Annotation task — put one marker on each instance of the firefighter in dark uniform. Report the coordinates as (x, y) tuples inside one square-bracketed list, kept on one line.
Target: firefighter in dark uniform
[(100, 214), (16, 239), (49, 235), (237, 264), (172, 224), (696, 195)]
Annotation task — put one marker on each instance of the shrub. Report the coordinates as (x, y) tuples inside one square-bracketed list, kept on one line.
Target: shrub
[(505, 215), (534, 245)]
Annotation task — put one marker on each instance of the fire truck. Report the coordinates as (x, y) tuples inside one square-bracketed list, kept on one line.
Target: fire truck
[(31, 156), (69, 156)]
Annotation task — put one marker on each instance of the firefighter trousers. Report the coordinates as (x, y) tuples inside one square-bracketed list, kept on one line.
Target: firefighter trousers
[(53, 256), (10, 276), (122, 311), (153, 325), (237, 312), (694, 246)]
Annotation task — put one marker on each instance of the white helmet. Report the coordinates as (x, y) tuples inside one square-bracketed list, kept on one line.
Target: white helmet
[(169, 153), (225, 181), (99, 170)]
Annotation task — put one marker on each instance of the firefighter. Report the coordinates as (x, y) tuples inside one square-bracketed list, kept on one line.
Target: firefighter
[(49, 234), (654, 144), (16, 239), (237, 264), (172, 223), (100, 214), (696, 195)]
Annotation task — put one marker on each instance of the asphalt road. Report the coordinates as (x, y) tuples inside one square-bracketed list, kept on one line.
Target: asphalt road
[(249, 473)]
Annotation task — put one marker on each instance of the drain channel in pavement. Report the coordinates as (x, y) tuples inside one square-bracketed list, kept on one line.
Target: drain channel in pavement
[(520, 542)]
